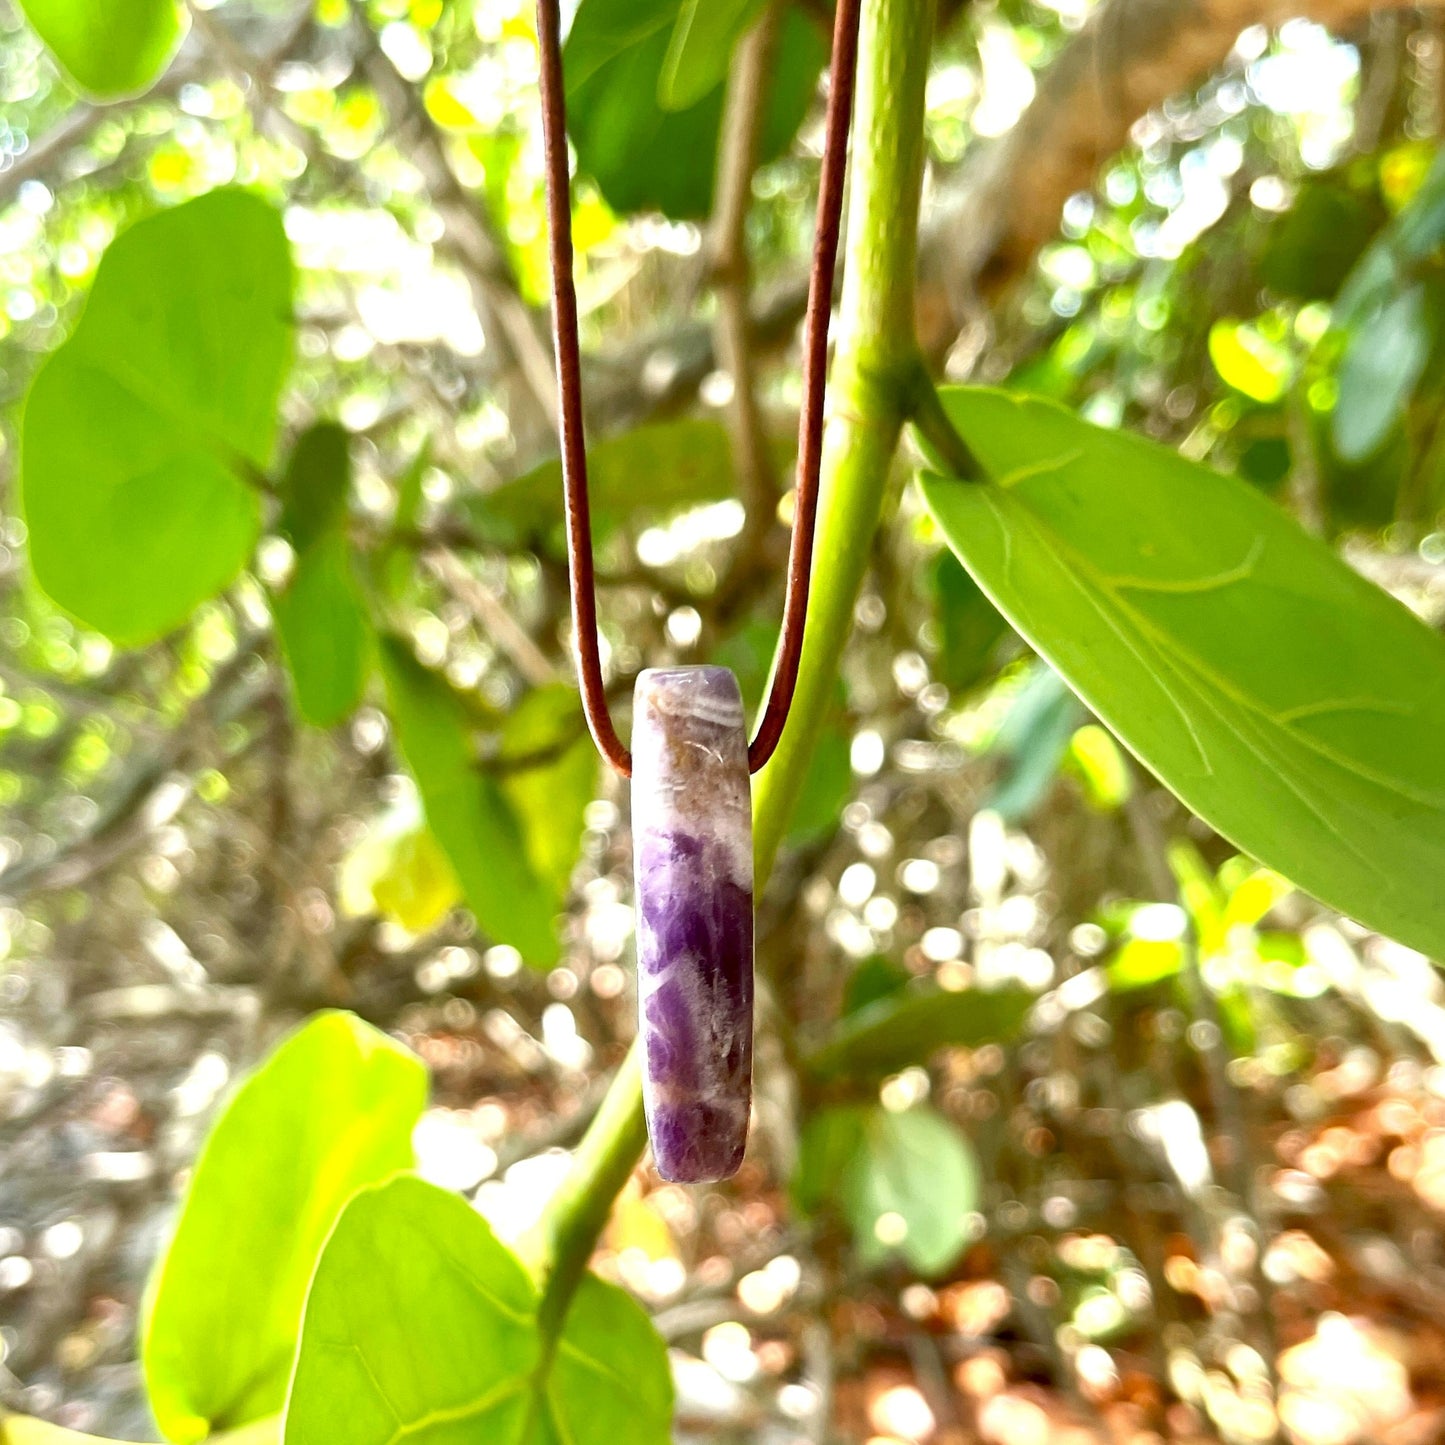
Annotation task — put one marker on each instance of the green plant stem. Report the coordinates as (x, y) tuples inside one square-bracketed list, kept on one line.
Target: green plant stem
[(577, 1212), (872, 385), (874, 374), (935, 434)]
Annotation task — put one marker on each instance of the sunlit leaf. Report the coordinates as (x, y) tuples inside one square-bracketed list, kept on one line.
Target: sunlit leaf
[(610, 1379), (419, 1324), (1249, 362), (467, 810), (447, 1349), (910, 1189), (1294, 706), (143, 432), (329, 1111), (110, 48), (400, 871), (1101, 765), (549, 775), (1144, 961)]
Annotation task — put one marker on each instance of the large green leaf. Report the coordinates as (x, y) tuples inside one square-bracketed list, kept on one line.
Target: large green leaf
[(467, 810), (1296, 708), (330, 1111), (642, 156), (908, 1025), (420, 1325), (909, 1189), (142, 432), (110, 48)]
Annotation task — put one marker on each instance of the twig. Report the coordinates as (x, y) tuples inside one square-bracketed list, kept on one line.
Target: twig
[(747, 94), (497, 622)]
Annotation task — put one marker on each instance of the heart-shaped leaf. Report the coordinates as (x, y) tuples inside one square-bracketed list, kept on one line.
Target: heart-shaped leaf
[(421, 1325), (330, 1110), (144, 432)]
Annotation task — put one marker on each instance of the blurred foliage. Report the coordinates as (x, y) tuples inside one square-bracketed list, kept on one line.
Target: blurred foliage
[(1070, 1119)]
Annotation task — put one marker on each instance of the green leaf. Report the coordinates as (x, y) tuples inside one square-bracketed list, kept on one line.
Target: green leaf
[(876, 977), (1249, 362), (143, 430), (1383, 361), (329, 1111), (970, 627), (549, 776), (398, 869), (419, 1325), (321, 616), (1141, 962), (1102, 767), (1311, 248), (316, 486), (110, 48), (324, 632), (907, 1026), (1034, 738), (641, 156), (650, 470), (467, 810), (909, 1190), (1296, 708), (610, 1380), (830, 1139), (701, 49)]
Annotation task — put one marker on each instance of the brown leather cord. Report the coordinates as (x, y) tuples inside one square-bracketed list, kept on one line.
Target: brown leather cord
[(569, 387)]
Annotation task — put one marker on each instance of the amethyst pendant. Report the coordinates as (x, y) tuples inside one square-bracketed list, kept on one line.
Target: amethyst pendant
[(693, 869)]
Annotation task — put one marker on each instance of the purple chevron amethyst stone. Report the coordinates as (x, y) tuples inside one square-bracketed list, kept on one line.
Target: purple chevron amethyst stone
[(692, 841)]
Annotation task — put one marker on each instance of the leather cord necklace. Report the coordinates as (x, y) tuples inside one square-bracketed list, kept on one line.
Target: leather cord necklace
[(691, 761)]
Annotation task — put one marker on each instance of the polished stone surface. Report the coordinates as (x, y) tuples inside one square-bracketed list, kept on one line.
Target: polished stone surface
[(693, 871)]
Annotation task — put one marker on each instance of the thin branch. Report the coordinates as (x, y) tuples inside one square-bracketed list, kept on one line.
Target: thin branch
[(496, 620), (743, 111)]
